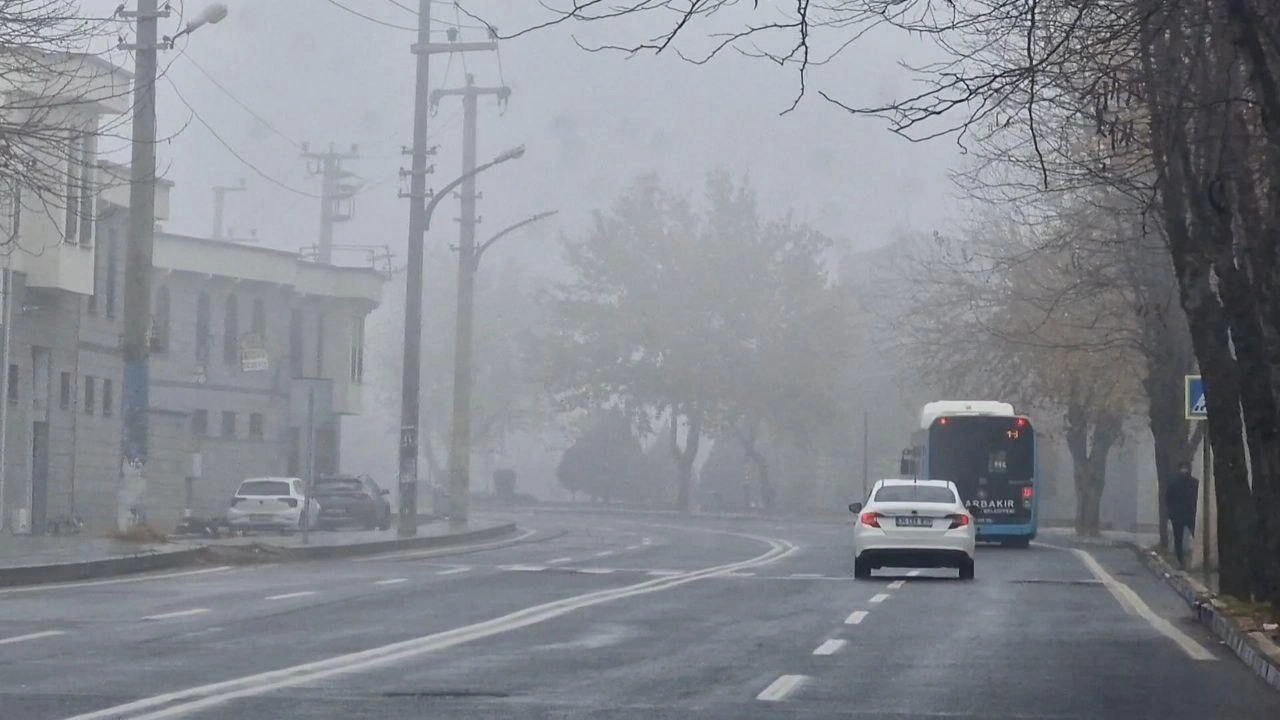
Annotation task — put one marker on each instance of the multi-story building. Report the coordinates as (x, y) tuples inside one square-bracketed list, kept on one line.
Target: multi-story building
[(240, 337)]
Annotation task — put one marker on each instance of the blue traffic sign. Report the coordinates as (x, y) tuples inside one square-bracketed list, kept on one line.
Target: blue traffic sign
[(1193, 400)]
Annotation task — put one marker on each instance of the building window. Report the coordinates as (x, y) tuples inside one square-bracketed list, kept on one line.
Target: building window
[(320, 344), (12, 383), (88, 395), (295, 343), (357, 350), (113, 262), (200, 423), (160, 322), (231, 332), (108, 401), (202, 328), (78, 220), (228, 424), (259, 322), (255, 426), (64, 391)]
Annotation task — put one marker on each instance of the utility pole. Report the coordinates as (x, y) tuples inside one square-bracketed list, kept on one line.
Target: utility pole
[(410, 399), (463, 375), (333, 191), (137, 264), (865, 459), (220, 205), (139, 246)]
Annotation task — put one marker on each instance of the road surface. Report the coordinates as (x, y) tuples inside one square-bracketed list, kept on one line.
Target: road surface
[(593, 616)]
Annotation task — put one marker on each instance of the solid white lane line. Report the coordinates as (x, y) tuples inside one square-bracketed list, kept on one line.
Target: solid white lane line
[(605, 553), (830, 647), (391, 581), (31, 636), (558, 561), (662, 573), (191, 700), (454, 571), (595, 571), (782, 687), (286, 596), (856, 617), (896, 584), (178, 613), (914, 573), (116, 581), (523, 568), (879, 597), (1134, 604), (741, 574)]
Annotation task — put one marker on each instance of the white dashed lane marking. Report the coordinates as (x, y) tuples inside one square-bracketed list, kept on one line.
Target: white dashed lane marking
[(914, 573), (807, 575), (391, 581), (896, 584), (177, 614), (31, 636), (781, 688), (856, 617), (454, 571), (830, 647), (595, 571), (523, 568), (605, 553), (880, 597), (286, 596), (558, 561)]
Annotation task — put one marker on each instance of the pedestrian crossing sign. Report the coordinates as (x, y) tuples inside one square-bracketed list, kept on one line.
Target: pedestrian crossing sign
[(1194, 398)]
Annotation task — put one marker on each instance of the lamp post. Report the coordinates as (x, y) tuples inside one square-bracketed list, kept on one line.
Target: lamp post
[(140, 243), (410, 401)]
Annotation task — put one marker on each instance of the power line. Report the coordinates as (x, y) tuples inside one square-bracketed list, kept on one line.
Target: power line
[(237, 100), (370, 18), (260, 173)]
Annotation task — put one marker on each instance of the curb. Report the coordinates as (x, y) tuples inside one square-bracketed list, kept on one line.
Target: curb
[(93, 569), (132, 564), (1244, 644)]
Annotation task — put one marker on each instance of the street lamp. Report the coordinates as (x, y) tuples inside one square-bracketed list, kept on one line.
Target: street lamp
[(411, 371), (140, 243)]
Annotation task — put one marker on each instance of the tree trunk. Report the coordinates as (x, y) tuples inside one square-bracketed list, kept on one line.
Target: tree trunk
[(685, 456), (768, 498)]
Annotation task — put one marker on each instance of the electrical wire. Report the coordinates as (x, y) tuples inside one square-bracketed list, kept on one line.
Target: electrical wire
[(258, 171), (237, 101), (370, 18)]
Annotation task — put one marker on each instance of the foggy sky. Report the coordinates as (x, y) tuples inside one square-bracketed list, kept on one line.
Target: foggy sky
[(591, 122)]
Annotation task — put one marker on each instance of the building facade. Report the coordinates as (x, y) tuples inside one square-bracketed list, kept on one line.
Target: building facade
[(242, 337)]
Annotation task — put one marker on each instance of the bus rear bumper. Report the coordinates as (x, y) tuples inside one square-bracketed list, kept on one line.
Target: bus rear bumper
[(1006, 532)]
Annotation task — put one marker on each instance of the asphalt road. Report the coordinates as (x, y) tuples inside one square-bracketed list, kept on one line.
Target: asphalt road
[(624, 617)]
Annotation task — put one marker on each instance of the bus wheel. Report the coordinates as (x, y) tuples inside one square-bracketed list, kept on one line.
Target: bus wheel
[(1018, 543)]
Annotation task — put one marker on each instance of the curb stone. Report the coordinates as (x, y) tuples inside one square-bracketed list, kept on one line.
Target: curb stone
[(133, 564), (1250, 647)]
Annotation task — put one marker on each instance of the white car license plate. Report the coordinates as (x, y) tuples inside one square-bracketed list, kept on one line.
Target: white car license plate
[(913, 522)]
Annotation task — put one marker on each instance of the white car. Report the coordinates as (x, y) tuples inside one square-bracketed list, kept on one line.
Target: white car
[(915, 524), (271, 503)]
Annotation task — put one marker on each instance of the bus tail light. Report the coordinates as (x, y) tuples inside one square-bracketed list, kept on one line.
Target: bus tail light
[(958, 520), (870, 519), (1027, 492)]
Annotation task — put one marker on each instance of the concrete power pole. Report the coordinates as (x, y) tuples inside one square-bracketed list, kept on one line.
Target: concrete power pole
[(220, 205), (328, 165), (463, 375), (410, 388), (139, 246)]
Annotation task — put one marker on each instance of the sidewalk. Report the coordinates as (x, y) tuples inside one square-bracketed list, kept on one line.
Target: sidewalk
[(32, 559), (1108, 537)]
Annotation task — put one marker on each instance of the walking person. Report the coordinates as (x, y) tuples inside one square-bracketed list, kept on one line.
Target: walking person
[(1180, 505)]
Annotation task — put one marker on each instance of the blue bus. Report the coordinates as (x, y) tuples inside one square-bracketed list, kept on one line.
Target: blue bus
[(989, 451)]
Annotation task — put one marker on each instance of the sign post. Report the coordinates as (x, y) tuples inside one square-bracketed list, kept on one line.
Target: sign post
[(1196, 410), (311, 402)]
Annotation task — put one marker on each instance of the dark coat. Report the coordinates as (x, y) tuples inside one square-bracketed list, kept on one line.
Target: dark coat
[(1180, 499)]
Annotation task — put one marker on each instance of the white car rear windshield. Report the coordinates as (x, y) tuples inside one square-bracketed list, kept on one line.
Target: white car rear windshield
[(915, 493), (264, 487)]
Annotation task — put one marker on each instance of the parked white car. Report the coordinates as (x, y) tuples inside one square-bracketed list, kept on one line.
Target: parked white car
[(271, 503), (915, 524)]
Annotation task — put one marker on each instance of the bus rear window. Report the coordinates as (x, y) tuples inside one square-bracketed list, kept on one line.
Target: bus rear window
[(915, 493)]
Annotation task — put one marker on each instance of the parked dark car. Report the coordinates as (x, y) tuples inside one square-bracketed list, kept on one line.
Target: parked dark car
[(347, 500)]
